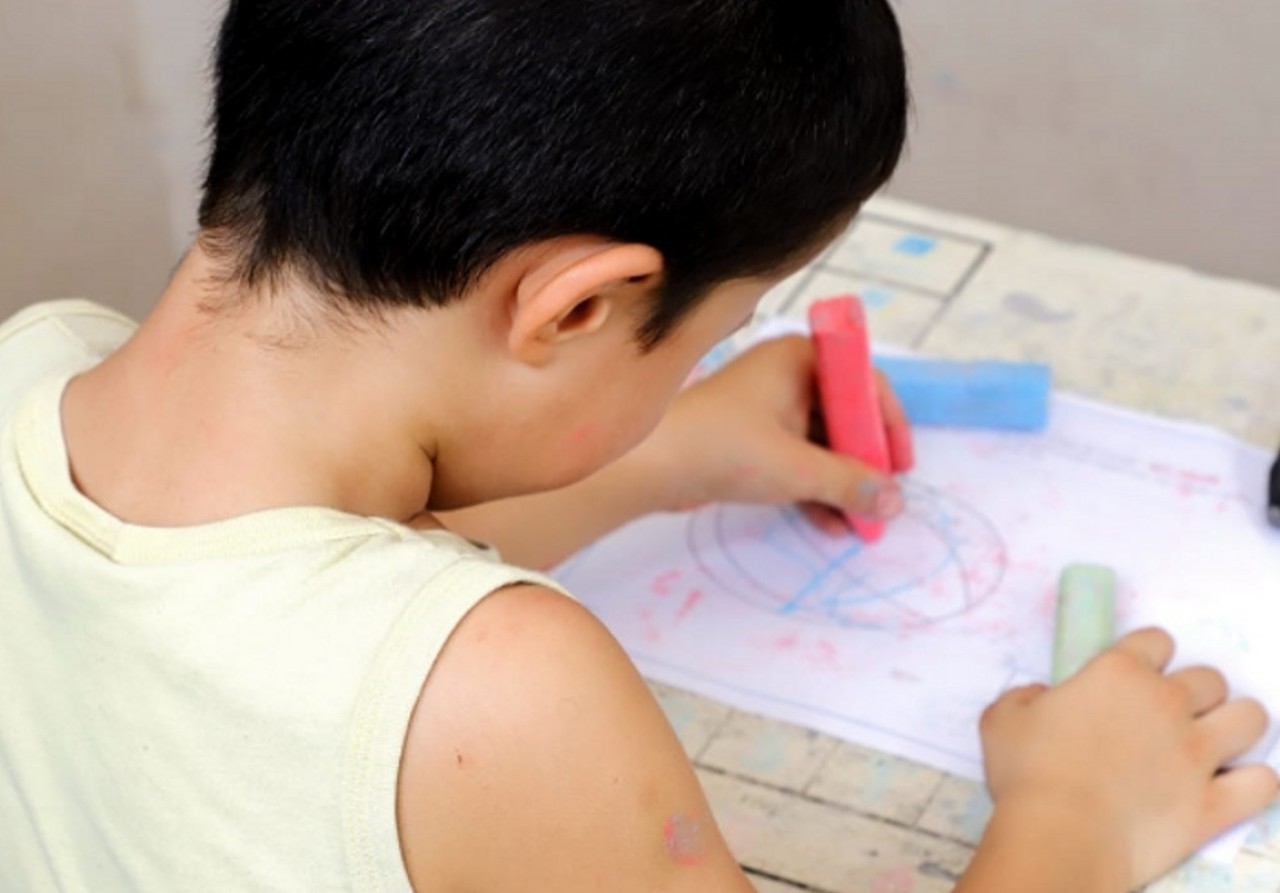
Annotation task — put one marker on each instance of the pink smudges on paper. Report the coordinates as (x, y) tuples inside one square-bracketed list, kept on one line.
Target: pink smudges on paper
[(665, 582), (694, 599), (683, 837), (895, 880)]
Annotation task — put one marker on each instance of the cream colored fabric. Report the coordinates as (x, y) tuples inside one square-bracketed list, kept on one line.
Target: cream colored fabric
[(214, 708)]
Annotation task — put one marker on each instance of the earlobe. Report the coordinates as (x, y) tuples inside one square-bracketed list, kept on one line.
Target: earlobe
[(575, 290)]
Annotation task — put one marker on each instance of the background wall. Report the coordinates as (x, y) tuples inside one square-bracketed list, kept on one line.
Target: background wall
[(102, 105), (1149, 125)]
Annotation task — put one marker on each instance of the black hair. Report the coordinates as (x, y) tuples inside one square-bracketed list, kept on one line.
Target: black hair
[(390, 151)]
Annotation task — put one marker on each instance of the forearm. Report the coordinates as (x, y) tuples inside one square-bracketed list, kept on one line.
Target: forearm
[(541, 530), (1046, 848)]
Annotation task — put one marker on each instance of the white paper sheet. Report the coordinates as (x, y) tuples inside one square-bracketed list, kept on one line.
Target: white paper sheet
[(900, 645)]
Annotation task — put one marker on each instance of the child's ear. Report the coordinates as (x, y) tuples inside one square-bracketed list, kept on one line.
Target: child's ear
[(577, 288)]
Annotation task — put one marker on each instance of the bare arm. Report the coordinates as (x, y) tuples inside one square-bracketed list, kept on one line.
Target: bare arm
[(537, 760), (541, 530)]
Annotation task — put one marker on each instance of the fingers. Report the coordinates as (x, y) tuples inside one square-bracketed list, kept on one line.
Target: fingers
[(1236, 795), (902, 451), (1231, 730), (1023, 695), (825, 518), (1013, 699), (1206, 688), (897, 427), (845, 484), (1154, 647)]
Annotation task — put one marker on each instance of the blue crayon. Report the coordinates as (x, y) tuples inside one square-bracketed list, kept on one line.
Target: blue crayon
[(1003, 396)]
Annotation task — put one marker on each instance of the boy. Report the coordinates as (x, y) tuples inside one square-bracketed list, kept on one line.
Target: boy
[(454, 253)]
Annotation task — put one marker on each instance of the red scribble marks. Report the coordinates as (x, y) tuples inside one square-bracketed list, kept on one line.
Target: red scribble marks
[(826, 656), (785, 644), (896, 880), (649, 629), (1047, 606), (1187, 476), (997, 628), (820, 654), (694, 599), (664, 583), (1036, 568)]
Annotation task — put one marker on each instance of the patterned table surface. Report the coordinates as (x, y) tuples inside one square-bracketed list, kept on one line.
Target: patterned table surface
[(806, 812)]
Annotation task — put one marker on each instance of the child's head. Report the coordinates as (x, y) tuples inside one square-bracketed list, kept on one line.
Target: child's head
[(389, 152)]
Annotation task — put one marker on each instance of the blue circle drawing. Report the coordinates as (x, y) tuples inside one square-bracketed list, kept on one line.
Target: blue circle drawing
[(938, 561)]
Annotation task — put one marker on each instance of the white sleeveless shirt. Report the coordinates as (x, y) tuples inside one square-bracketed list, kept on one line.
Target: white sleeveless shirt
[(212, 708)]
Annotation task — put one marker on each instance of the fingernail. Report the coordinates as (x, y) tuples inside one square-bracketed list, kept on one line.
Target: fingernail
[(889, 502)]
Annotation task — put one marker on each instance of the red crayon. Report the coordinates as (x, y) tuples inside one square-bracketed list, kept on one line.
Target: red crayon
[(847, 387)]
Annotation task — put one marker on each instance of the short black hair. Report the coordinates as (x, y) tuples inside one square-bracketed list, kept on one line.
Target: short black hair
[(390, 151)]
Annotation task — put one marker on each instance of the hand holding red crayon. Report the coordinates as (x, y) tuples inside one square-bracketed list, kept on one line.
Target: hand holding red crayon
[(754, 433), (862, 417)]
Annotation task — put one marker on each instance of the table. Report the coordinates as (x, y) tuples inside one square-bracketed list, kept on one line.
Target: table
[(804, 811)]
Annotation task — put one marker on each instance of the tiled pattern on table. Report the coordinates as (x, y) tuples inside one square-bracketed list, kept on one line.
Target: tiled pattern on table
[(906, 276)]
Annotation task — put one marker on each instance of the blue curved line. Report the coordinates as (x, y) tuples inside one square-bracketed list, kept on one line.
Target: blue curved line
[(852, 591), (818, 579)]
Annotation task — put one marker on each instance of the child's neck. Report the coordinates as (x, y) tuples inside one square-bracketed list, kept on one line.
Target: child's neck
[(200, 417)]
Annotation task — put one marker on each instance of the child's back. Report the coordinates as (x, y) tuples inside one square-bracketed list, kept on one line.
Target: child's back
[(213, 706)]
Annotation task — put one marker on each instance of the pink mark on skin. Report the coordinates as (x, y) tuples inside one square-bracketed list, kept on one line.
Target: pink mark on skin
[(683, 837), (582, 435), (694, 599), (895, 880)]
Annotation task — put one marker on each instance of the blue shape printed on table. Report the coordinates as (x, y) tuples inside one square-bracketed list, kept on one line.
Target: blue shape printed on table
[(875, 298), (915, 245)]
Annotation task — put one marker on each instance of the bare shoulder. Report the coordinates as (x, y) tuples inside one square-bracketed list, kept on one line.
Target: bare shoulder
[(538, 760)]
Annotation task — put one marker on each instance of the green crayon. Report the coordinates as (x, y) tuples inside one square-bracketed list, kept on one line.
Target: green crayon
[(1086, 621)]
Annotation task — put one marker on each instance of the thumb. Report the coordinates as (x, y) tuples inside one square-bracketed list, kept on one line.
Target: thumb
[(843, 483)]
